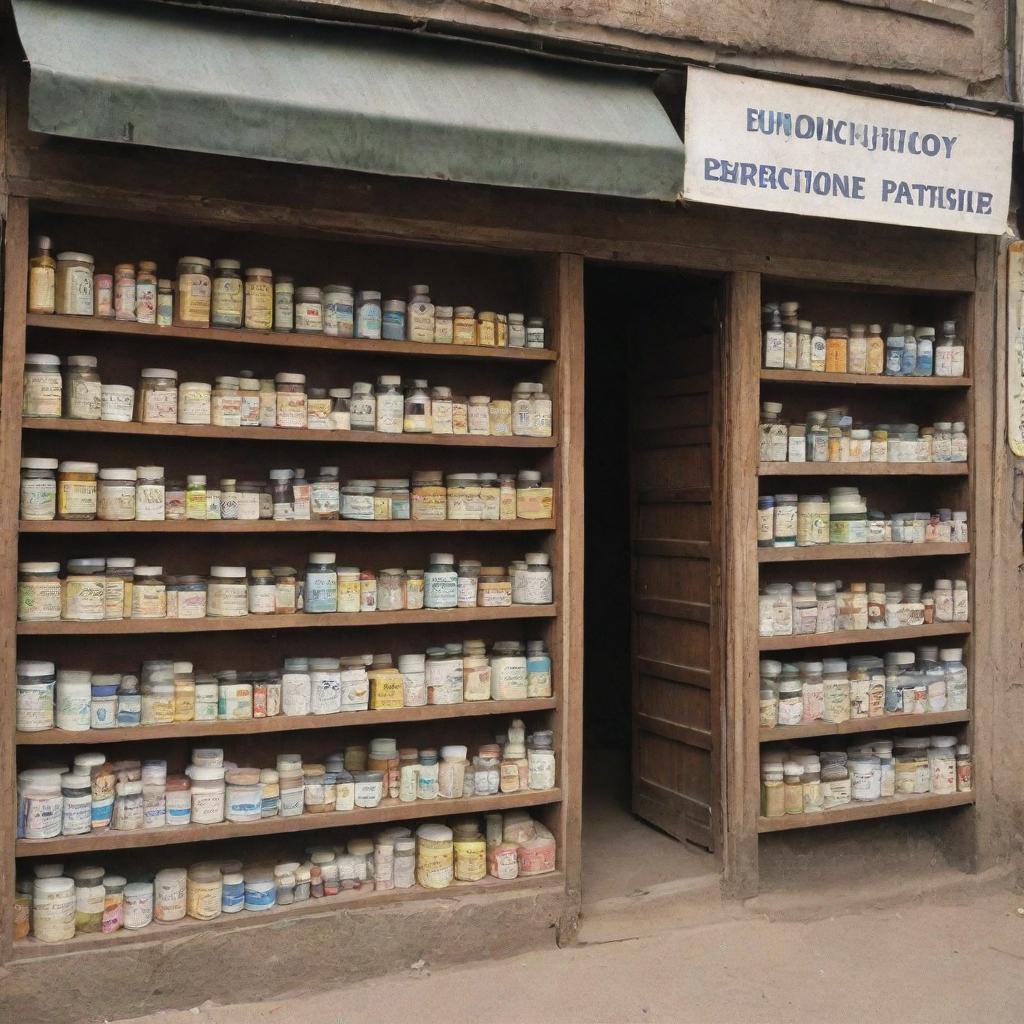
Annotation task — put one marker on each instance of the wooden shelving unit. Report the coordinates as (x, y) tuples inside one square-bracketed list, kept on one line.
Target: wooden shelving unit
[(388, 810), (864, 636), (884, 723), (890, 486), (549, 285), (837, 552), (862, 469), (885, 808)]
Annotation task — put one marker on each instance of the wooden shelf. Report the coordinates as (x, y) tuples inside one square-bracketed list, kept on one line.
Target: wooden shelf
[(272, 339), (200, 527), (863, 636), (862, 469), (836, 552), (784, 733), (862, 379), (389, 810), (300, 620), (863, 810), (200, 431), (31, 949), (287, 723)]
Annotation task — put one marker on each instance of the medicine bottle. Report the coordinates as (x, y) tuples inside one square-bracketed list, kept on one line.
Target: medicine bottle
[(309, 311), (368, 315), (41, 277), (158, 396), (73, 284), (226, 294), (949, 353), (291, 399), (164, 302), (192, 308), (393, 320), (259, 299), (464, 326), (444, 325), (146, 293), (420, 314), (82, 391), (284, 307), (43, 386), (339, 311), (390, 404)]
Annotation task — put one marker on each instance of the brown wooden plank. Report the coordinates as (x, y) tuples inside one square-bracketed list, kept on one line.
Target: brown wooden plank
[(676, 387), (195, 526), (276, 339), (862, 379), (286, 723), (739, 711), (16, 250), (300, 620), (680, 816), (672, 548), (863, 636), (692, 611), (866, 810), (830, 552), (676, 673), (674, 496), (785, 733), (388, 810), (674, 731), (671, 437)]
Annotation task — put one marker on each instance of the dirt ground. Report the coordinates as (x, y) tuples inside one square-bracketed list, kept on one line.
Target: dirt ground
[(949, 957)]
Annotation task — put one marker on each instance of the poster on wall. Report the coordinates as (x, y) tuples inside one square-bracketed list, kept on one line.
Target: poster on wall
[(764, 145), (1015, 346)]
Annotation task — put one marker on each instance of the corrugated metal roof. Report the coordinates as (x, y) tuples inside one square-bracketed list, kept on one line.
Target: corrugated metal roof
[(311, 93)]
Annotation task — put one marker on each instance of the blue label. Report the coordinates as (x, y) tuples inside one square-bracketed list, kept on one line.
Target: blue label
[(260, 899)]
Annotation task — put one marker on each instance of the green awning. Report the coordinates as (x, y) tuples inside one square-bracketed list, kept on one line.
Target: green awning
[(305, 92)]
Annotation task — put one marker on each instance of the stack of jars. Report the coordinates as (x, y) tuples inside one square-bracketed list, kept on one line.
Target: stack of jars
[(222, 295), (55, 903), (905, 350), (81, 491), (807, 520), (804, 608), (94, 589), (166, 692), (128, 796), (863, 686), (391, 406), (801, 781), (831, 435)]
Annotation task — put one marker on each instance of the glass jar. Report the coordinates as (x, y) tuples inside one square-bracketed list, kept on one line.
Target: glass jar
[(291, 399), (339, 311), (284, 303), (495, 587), (43, 386), (500, 417), (368, 316), (226, 294), (158, 396), (320, 591), (441, 582), (116, 495), (363, 407), (247, 500), (259, 299), (262, 592), (77, 490), (441, 410), (192, 308), (390, 404), (479, 416), (444, 325), (145, 293), (226, 402), (309, 310), (535, 332), (285, 589), (463, 497), (468, 583), (175, 507), (38, 501), (227, 592), (464, 326), (164, 302), (398, 496), (487, 329), (429, 500), (417, 418), (325, 494), (318, 409), (84, 590), (414, 589), (149, 592), (150, 494), (535, 585), (357, 499), (73, 284), (534, 498), (508, 671), (194, 403), (39, 591), (393, 320), (82, 391), (35, 709), (391, 590)]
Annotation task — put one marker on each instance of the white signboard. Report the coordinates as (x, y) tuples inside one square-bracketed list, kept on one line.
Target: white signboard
[(770, 146)]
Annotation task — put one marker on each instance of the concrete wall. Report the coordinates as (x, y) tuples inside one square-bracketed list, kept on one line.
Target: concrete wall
[(944, 47)]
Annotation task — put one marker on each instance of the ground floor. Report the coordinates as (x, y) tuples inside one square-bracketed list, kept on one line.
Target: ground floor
[(953, 956)]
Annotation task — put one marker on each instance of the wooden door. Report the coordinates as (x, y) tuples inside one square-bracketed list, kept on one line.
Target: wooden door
[(675, 677)]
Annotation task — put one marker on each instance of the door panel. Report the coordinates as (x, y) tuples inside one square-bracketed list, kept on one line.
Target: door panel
[(674, 579)]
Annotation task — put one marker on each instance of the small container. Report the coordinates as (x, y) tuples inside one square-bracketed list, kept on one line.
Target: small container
[(38, 501), (192, 308), (82, 391), (44, 386), (309, 311)]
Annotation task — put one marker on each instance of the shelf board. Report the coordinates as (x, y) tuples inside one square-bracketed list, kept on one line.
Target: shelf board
[(862, 379), (389, 810), (863, 636), (201, 431), (299, 620), (31, 949), (287, 723), (861, 811), (199, 527), (783, 733), (837, 552), (862, 468), (275, 339)]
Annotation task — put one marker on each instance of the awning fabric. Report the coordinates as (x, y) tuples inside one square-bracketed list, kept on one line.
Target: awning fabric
[(314, 93)]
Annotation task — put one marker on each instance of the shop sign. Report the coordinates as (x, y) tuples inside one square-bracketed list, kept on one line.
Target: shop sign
[(792, 149)]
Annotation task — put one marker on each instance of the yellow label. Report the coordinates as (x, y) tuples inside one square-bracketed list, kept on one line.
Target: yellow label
[(40, 290), (194, 299), (259, 305), (534, 502), (76, 497), (386, 692)]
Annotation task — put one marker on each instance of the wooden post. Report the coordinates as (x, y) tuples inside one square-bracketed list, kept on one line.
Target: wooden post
[(741, 336)]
